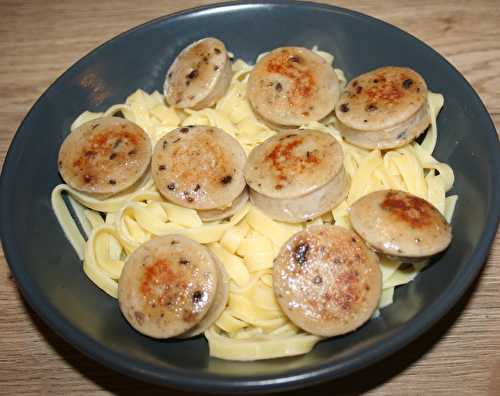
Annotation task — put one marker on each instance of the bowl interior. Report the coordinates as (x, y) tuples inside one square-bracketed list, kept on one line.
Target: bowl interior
[(51, 275)]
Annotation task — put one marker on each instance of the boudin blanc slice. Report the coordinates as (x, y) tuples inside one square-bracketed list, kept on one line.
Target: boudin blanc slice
[(400, 224), (218, 305), (199, 76), (308, 206), (327, 281), (295, 176), (167, 286), (199, 167), (104, 156), (291, 86), (291, 164), (384, 108)]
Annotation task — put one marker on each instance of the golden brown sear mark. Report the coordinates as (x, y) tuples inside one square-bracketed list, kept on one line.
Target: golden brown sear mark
[(411, 209), (290, 66)]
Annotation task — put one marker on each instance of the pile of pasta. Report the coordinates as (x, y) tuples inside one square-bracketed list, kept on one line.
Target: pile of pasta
[(252, 326)]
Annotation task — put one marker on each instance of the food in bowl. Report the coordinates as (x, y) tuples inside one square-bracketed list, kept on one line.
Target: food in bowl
[(247, 237)]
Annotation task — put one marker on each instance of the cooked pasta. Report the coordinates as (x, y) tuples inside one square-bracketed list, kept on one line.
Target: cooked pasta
[(252, 326)]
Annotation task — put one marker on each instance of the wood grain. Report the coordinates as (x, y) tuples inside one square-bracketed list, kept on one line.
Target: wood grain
[(39, 40)]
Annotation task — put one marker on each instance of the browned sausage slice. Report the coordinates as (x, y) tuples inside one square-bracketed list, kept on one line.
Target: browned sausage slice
[(384, 108), (327, 281), (291, 164), (308, 206), (295, 176), (104, 156), (291, 86), (199, 167), (400, 224), (167, 286), (199, 76)]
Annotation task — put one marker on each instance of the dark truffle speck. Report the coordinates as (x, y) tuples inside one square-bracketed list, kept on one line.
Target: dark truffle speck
[(197, 296), (300, 252), (226, 179), (194, 73), (344, 107), (407, 83)]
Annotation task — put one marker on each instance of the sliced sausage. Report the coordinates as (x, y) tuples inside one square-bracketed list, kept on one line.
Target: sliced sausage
[(308, 206), (396, 136), (199, 76), (104, 156), (291, 86), (384, 108), (295, 176), (400, 224), (327, 281), (167, 286), (218, 305), (199, 167)]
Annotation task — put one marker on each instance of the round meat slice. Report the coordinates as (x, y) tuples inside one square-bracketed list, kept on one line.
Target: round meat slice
[(384, 108), (199, 167), (218, 305), (220, 214), (396, 136), (199, 76), (400, 224), (104, 156), (291, 86), (297, 176), (306, 207), (167, 286), (292, 164), (327, 281)]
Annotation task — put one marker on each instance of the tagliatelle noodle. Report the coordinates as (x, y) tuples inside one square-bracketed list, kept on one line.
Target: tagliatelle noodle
[(252, 326)]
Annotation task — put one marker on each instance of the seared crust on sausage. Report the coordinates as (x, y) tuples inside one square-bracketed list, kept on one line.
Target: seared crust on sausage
[(390, 102), (327, 281), (199, 167), (400, 224), (104, 156), (167, 286), (291, 164), (292, 86), (199, 76), (296, 176)]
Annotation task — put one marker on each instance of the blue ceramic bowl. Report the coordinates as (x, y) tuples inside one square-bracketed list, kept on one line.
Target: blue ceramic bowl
[(50, 275)]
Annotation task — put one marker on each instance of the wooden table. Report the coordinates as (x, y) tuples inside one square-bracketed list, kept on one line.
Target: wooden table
[(39, 40)]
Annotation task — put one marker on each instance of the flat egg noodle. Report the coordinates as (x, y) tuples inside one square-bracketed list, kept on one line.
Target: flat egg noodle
[(252, 326)]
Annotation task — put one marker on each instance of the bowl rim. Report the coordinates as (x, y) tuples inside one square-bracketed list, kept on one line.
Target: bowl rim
[(212, 383)]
